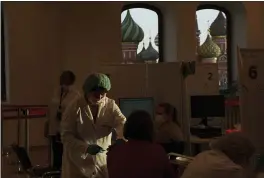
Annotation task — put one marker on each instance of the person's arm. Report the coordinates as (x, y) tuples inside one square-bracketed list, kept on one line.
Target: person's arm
[(119, 121), (69, 130)]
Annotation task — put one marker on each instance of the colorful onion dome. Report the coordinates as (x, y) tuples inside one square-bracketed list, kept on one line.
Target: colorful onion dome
[(209, 49), (131, 31)]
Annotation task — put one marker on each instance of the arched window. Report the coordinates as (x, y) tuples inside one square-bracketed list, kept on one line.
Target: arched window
[(141, 33), (214, 26), (3, 59)]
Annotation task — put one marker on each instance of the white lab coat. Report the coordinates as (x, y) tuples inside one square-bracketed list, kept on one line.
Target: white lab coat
[(78, 130), (213, 164), (53, 122)]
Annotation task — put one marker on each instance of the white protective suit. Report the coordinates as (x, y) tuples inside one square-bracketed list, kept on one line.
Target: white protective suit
[(78, 130), (213, 164), (54, 123)]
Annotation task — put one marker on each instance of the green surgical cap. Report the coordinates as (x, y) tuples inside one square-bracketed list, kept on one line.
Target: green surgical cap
[(97, 80)]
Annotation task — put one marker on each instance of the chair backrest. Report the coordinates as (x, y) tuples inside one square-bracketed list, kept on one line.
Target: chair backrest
[(22, 157)]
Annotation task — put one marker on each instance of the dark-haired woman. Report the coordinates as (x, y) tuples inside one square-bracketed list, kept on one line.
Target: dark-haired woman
[(139, 157)]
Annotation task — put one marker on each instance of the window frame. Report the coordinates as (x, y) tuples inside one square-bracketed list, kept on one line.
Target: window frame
[(160, 23), (3, 59), (229, 50)]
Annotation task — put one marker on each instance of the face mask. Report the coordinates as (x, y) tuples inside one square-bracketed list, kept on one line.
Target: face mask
[(64, 88), (159, 119), (95, 102)]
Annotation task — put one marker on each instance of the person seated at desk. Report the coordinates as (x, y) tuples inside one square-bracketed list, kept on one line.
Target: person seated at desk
[(168, 131), (139, 157), (228, 158)]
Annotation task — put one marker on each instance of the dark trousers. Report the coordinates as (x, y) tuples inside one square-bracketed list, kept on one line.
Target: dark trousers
[(57, 149)]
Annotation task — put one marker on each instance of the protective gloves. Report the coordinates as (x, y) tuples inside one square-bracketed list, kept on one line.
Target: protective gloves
[(119, 141), (94, 149)]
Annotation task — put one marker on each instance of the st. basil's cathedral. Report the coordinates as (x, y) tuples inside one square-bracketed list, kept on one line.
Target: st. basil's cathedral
[(211, 51)]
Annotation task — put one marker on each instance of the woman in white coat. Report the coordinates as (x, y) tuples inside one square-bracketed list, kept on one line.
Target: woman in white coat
[(229, 158), (61, 98), (86, 130)]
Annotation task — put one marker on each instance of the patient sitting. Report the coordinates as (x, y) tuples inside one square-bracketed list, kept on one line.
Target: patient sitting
[(139, 157), (168, 131), (229, 158)]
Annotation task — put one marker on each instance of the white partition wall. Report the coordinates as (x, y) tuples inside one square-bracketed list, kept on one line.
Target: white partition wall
[(128, 80), (205, 81), (251, 79)]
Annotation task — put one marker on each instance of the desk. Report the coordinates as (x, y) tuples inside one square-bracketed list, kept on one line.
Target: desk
[(179, 159), (179, 162), (197, 140)]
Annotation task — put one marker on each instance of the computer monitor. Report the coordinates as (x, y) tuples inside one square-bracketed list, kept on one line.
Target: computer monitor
[(204, 106), (128, 105)]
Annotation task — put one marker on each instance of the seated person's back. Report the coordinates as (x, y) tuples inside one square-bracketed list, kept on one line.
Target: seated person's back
[(139, 157), (212, 164), (228, 159)]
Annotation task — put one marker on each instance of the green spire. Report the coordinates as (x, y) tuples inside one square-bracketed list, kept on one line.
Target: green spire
[(131, 31)]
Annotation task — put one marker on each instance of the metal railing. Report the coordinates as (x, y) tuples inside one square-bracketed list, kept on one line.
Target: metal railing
[(21, 114)]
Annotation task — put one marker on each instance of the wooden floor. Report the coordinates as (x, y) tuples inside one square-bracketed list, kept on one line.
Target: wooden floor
[(10, 168)]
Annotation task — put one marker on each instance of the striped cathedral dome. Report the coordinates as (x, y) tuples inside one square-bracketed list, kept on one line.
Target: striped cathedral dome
[(209, 49), (131, 31)]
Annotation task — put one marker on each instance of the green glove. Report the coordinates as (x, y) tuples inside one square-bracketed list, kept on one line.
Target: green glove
[(94, 149)]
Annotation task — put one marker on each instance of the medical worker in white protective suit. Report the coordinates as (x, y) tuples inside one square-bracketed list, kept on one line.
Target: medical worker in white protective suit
[(86, 130), (229, 158)]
